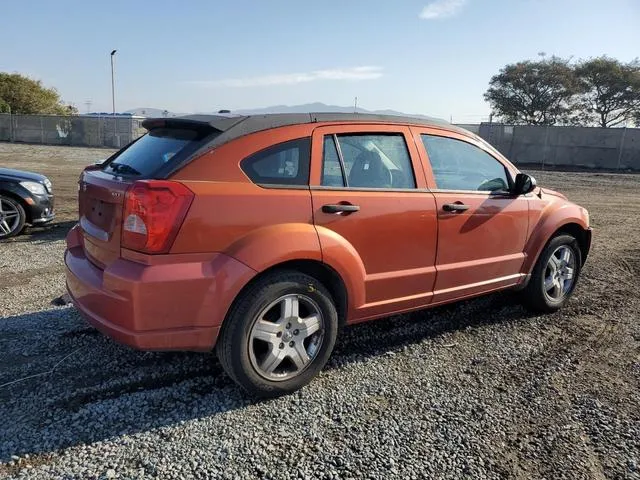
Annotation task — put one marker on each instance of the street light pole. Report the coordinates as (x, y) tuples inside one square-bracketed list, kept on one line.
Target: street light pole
[(113, 84)]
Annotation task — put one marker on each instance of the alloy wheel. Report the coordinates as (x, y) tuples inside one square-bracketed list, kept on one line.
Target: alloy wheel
[(9, 217), (285, 337), (559, 274)]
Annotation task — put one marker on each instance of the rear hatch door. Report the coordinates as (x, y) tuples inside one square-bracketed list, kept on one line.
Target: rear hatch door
[(102, 189)]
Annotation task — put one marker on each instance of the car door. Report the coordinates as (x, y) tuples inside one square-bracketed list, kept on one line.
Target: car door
[(482, 228), (368, 187)]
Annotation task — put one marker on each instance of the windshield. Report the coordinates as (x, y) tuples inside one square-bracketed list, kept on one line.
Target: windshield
[(152, 151)]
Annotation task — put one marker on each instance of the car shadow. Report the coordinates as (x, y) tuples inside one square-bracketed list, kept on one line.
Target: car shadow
[(485, 212), (62, 383), (49, 232)]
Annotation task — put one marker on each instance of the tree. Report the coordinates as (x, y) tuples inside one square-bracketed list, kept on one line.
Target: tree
[(23, 95), (534, 92), (610, 91)]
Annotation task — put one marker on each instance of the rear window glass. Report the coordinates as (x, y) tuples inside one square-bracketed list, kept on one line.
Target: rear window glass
[(282, 164), (153, 151)]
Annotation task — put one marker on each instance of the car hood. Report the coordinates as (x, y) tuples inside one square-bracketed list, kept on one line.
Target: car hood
[(20, 175)]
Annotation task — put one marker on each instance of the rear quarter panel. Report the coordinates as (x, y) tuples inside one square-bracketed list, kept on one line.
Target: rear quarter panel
[(259, 226)]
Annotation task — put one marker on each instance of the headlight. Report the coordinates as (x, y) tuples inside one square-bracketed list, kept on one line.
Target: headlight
[(34, 187), (47, 183)]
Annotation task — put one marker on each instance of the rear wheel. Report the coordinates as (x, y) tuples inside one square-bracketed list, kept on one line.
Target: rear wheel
[(12, 217), (555, 275), (279, 334)]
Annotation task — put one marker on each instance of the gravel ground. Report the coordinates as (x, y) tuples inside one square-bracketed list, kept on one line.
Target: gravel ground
[(481, 389)]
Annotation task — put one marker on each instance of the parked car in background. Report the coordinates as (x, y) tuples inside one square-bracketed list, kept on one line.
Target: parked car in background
[(262, 235), (25, 198)]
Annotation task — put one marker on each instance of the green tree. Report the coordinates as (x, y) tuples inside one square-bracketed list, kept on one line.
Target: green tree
[(23, 95), (4, 106), (534, 92), (610, 91)]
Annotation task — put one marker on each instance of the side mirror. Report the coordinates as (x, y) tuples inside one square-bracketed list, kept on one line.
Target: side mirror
[(524, 184)]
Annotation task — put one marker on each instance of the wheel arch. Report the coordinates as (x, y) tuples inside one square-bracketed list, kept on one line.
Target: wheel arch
[(322, 272), (572, 226), (310, 249), (582, 236)]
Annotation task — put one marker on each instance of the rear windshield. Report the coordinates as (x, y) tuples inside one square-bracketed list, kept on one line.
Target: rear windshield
[(153, 151)]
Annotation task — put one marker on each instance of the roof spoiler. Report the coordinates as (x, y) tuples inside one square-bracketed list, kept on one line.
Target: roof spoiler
[(195, 122)]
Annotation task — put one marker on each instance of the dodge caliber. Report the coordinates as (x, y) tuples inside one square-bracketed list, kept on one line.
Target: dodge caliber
[(260, 236)]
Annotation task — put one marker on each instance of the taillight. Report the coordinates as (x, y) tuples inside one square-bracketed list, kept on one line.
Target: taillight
[(153, 213)]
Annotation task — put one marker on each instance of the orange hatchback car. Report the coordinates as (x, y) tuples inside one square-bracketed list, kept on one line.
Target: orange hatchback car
[(262, 235)]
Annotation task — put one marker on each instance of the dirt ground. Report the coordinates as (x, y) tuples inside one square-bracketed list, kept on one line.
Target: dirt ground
[(61, 164), (587, 362)]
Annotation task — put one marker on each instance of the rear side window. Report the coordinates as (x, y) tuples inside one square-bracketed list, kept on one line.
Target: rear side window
[(332, 175), (367, 161), (282, 164), (154, 150)]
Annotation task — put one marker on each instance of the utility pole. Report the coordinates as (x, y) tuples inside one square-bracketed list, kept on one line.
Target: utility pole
[(113, 84), (355, 105)]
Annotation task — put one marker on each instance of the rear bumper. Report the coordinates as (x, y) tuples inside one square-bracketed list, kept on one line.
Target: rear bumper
[(167, 306)]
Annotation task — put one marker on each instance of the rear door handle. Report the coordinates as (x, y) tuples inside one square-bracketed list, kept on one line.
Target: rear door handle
[(340, 208), (455, 207)]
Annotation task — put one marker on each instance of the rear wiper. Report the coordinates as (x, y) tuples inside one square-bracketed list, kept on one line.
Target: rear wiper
[(123, 168)]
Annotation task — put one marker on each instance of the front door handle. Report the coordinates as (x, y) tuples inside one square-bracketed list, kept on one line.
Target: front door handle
[(340, 208), (455, 207)]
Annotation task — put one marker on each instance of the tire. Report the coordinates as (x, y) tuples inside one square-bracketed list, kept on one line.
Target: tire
[(12, 217), (548, 289), (262, 329)]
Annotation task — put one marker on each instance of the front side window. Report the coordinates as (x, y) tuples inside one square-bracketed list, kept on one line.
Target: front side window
[(367, 161), (282, 164), (458, 165)]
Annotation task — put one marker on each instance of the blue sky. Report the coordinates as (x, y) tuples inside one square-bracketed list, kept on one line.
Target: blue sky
[(429, 57)]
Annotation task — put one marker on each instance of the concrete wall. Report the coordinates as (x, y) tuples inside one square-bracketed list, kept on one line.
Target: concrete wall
[(86, 131), (585, 147), (472, 127), (598, 148)]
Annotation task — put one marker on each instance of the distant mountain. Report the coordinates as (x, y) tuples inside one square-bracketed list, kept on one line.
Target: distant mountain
[(318, 107), (315, 107)]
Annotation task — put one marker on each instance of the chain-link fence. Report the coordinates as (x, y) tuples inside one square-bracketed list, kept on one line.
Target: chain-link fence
[(87, 131)]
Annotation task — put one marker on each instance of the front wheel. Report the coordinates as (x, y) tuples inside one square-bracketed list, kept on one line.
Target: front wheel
[(279, 334), (555, 275), (12, 217)]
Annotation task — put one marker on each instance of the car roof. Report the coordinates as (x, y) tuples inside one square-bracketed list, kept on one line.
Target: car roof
[(234, 126)]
